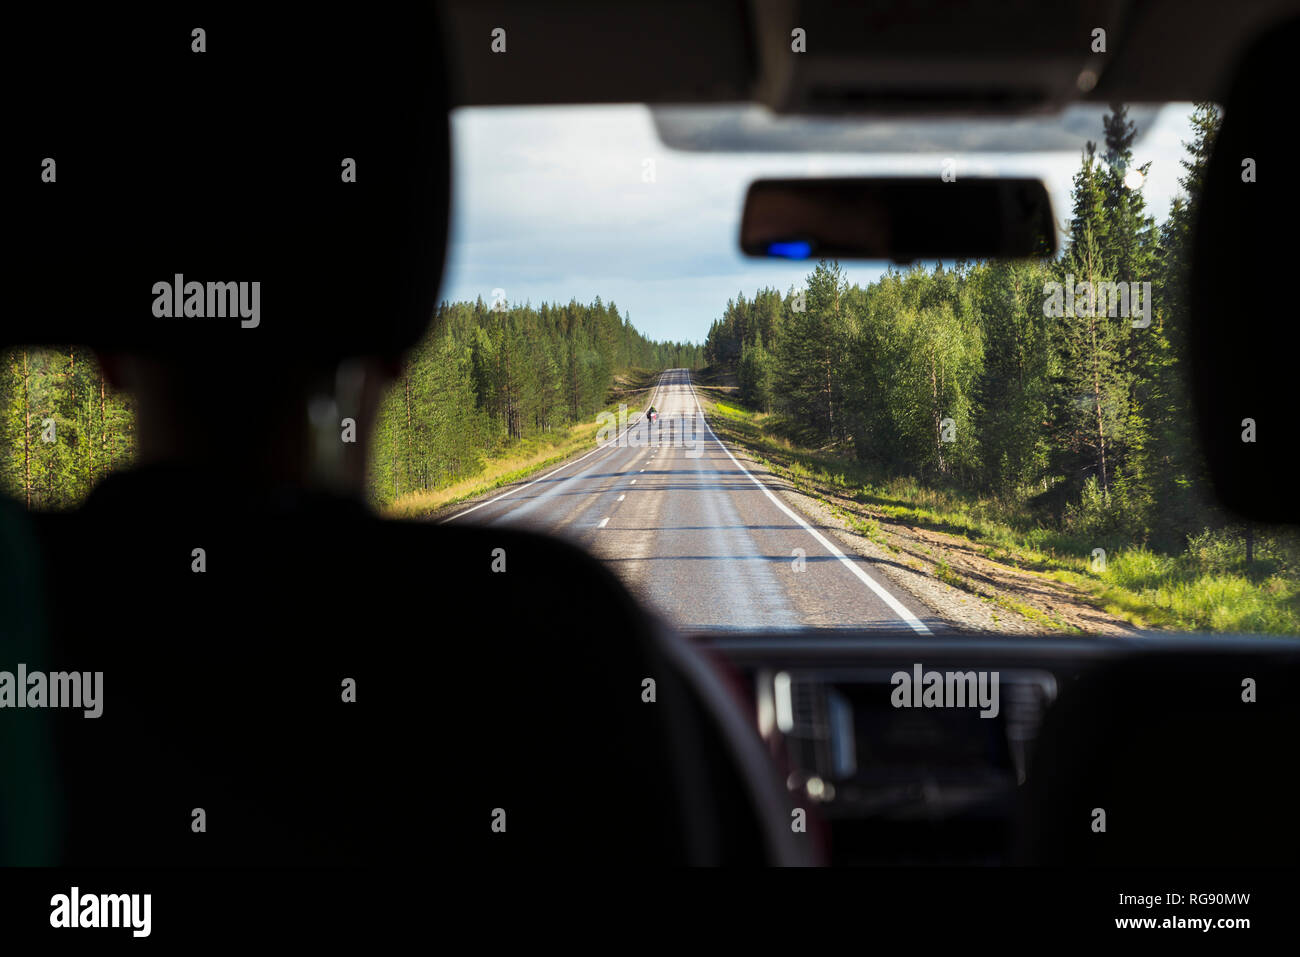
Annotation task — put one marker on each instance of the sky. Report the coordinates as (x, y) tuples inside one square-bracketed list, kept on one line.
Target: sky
[(553, 203)]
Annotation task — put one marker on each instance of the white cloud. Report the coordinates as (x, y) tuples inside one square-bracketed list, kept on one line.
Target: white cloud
[(550, 204)]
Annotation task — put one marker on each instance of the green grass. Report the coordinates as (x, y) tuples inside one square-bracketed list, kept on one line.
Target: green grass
[(521, 458), (1178, 591), (1208, 587), (866, 528)]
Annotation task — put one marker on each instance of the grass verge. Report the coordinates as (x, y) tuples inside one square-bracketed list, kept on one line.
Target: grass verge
[(525, 457), (1208, 587)]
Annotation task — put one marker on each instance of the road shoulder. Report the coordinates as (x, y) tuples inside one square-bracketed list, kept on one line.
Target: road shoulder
[(948, 574)]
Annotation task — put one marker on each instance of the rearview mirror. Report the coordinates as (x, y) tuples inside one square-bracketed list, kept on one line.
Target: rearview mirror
[(902, 219)]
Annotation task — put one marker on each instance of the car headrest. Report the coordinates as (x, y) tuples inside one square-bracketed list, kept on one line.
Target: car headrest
[(1244, 332), (225, 183)]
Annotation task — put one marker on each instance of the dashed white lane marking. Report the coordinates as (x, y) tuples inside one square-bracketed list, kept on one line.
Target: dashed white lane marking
[(895, 605), (603, 523), (520, 488)]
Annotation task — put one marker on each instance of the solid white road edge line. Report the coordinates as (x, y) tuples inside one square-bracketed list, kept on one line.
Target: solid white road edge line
[(895, 605)]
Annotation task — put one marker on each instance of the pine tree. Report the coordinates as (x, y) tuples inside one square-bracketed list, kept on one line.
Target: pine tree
[(755, 374), (1088, 403), (811, 354)]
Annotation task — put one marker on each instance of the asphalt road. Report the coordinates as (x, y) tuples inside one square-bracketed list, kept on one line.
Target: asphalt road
[(695, 535)]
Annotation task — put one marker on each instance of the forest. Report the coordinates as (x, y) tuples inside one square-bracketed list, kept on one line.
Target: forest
[(486, 378), (62, 426), (981, 376), (1056, 415), (481, 380)]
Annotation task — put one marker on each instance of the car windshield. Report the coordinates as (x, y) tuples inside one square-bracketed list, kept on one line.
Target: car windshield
[(782, 443)]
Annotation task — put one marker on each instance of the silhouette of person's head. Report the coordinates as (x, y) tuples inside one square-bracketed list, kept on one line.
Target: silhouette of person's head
[(291, 220), (271, 422)]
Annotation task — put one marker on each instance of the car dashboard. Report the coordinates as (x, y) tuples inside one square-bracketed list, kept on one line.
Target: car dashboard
[(907, 751)]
